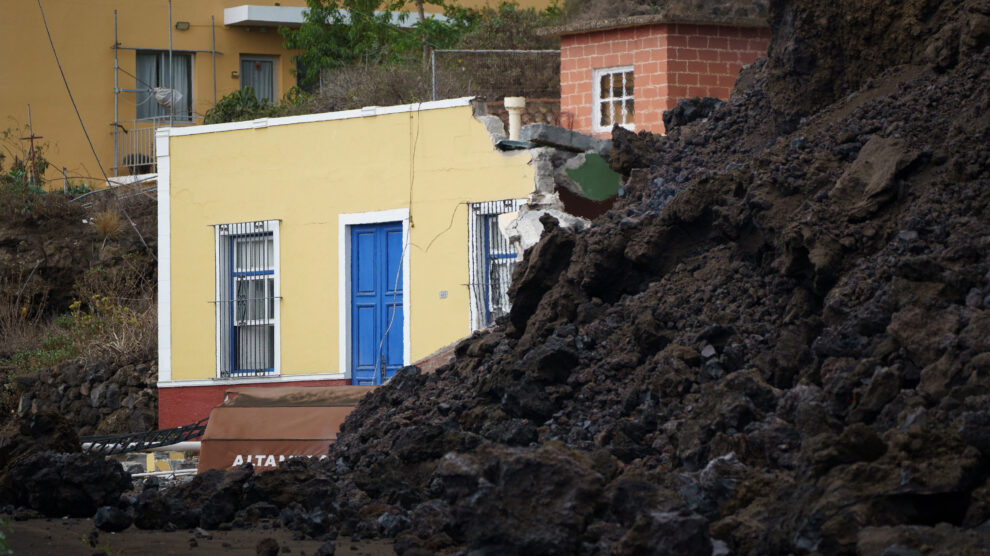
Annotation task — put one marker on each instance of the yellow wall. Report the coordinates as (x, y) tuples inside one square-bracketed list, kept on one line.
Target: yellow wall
[(305, 174), (83, 33)]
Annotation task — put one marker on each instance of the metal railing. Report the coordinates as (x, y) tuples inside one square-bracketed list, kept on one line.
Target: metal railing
[(492, 260), (134, 143), (111, 444)]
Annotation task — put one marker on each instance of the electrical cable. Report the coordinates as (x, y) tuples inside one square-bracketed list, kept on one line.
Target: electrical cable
[(413, 144), (44, 20)]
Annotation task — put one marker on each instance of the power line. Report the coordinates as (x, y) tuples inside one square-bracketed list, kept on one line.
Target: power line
[(106, 179)]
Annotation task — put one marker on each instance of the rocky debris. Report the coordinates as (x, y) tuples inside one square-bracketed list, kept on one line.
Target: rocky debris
[(112, 519), (777, 343), (42, 469), (267, 547), (36, 432), (45, 251), (60, 484), (96, 399), (328, 548), (689, 110)]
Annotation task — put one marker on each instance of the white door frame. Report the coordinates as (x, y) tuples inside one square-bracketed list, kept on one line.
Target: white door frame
[(344, 223)]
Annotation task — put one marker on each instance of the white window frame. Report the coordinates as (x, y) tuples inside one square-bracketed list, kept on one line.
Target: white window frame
[(223, 233), (596, 107), (259, 58)]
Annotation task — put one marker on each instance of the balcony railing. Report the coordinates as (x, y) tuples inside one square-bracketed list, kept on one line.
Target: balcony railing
[(134, 143)]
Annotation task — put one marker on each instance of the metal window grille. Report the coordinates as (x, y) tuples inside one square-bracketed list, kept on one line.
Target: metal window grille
[(614, 98), (492, 261), (247, 304)]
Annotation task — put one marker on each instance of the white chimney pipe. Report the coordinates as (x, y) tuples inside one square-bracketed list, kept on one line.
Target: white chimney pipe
[(515, 106)]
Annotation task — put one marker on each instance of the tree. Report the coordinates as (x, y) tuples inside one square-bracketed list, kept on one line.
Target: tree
[(337, 33)]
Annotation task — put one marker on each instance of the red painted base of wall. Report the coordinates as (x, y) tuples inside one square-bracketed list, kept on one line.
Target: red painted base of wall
[(187, 404)]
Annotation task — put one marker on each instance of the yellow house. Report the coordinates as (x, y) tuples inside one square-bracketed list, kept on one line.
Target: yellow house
[(116, 58), (327, 248)]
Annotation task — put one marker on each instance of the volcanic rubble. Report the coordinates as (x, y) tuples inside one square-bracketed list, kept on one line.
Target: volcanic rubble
[(778, 342)]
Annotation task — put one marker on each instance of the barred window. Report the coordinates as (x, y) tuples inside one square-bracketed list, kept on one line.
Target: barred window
[(247, 306), (614, 102), (492, 261)]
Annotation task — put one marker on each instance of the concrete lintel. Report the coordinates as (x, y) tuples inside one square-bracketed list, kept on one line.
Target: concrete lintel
[(562, 138)]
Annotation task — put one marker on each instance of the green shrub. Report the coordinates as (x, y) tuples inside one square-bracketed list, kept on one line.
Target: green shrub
[(243, 105)]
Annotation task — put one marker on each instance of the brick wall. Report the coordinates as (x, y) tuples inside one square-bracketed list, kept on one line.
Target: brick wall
[(670, 62)]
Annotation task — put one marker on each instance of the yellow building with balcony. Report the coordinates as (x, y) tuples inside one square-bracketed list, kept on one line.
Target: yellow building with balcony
[(116, 57)]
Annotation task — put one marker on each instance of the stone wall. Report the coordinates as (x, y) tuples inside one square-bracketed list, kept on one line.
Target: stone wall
[(97, 398), (538, 111)]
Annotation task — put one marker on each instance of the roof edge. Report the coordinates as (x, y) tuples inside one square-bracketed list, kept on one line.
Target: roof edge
[(366, 112), (589, 26)]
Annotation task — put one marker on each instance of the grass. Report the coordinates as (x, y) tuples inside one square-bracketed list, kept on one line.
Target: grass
[(112, 321), (108, 223)]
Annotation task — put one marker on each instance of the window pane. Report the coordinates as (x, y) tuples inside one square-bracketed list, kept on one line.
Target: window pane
[(152, 72), (628, 119), (254, 254), (259, 74), (271, 298), (605, 85), (616, 85), (616, 112), (629, 83), (605, 118)]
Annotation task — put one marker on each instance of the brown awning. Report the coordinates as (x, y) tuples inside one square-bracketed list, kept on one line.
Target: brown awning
[(296, 396), (265, 426)]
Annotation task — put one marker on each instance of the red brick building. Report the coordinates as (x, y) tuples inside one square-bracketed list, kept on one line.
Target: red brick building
[(627, 71)]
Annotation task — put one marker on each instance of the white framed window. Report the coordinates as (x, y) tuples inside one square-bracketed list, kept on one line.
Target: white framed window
[(613, 98), (248, 299), (258, 72), (491, 261), (154, 81)]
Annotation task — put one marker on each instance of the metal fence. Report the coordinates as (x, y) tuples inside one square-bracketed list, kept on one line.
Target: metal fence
[(494, 74), (134, 144)]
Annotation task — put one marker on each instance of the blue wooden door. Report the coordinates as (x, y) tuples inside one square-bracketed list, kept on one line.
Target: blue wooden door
[(376, 302)]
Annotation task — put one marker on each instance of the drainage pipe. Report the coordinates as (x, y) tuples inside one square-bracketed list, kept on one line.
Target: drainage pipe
[(188, 446), (176, 473)]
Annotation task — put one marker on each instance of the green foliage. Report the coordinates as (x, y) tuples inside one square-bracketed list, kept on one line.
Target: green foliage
[(18, 195), (510, 27), (244, 105), (341, 33), (240, 105), (337, 33), (77, 188), (54, 349), (4, 529)]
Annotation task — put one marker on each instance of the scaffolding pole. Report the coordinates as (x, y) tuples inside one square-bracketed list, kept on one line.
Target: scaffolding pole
[(116, 95)]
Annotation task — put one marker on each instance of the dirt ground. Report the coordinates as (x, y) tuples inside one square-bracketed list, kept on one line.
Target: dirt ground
[(71, 536)]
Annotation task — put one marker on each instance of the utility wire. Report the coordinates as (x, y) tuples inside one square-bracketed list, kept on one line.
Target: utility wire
[(413, 143), (86, 133)]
